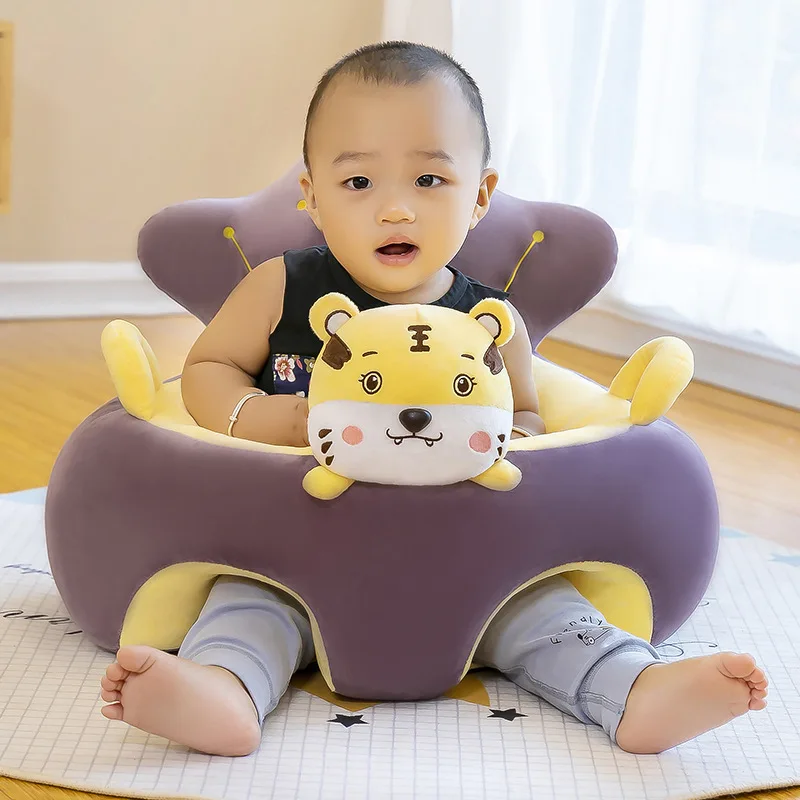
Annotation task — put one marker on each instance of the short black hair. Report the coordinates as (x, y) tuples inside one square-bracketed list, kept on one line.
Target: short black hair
[(399, 63)]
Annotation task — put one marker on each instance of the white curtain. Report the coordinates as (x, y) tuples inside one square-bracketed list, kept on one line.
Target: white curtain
[(678, 121)]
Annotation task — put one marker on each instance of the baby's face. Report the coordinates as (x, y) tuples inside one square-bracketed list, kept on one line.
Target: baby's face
[(395, 164)]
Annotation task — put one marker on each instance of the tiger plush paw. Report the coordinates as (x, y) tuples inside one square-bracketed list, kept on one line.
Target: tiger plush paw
[(502, 476), (323, 484)]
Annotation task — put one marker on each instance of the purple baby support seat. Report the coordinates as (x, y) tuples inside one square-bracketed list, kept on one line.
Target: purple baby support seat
[(400, 582)]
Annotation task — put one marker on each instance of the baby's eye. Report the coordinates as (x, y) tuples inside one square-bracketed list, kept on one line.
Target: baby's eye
[(358, 183), (426, 181)]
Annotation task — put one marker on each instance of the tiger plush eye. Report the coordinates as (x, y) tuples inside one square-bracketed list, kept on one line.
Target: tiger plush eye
[(371, 382), (463, 385)]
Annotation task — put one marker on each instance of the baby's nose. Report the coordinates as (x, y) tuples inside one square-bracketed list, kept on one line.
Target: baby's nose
[(396, 212), (415, 419)]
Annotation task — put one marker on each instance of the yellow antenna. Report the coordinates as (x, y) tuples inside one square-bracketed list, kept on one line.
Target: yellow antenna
[(537, 237), (230, 233)]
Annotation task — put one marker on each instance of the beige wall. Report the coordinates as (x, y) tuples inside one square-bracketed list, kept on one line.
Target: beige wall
[(124, 106)]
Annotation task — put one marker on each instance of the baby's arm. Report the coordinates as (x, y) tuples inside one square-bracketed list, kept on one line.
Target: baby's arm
[(225, 361), (518, 358)]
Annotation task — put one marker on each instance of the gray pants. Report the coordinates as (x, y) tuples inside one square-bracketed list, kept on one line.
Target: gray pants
[(548, 639)]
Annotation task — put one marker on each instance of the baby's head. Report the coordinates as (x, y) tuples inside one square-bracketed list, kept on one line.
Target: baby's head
[(396, 148)]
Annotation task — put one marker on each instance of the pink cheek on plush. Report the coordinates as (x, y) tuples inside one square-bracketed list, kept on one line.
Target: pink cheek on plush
[(480, 442), (353, 435)]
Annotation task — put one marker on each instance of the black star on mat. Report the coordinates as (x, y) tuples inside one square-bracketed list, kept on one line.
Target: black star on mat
[(509, 714), (343, 719)]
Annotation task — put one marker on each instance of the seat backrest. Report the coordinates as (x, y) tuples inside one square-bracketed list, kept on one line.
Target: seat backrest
[(185, 253)]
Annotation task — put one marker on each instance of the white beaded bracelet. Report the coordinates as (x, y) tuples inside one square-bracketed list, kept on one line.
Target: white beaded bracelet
[(235, 415)]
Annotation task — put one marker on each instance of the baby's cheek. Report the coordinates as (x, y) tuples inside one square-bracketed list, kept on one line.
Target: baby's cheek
[(480, 442), (352, 435)]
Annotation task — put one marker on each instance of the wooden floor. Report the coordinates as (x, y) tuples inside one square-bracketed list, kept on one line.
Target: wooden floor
[(52, 376)]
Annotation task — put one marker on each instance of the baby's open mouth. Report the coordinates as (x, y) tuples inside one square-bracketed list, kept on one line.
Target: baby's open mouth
[(398, 249)]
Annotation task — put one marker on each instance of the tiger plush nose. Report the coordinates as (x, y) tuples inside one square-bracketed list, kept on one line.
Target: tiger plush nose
[(415, 419)]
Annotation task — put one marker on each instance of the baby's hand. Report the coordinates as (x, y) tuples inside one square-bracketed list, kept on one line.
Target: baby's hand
[(302, 419), (280, 419)]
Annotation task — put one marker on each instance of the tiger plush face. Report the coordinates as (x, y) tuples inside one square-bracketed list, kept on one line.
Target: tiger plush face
[(410, 394)]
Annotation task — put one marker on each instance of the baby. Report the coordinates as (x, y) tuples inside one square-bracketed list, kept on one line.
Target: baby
[(396, 152)]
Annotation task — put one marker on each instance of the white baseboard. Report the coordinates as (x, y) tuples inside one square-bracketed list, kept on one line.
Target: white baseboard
[(746, 368), (79, 289)]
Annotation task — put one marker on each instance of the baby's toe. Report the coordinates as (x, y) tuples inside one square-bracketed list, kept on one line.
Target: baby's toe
[(115, 672), (758, 694), (757, 679), (737, 665), (110, 695), (107, 683), (114, 711), (757, 705)]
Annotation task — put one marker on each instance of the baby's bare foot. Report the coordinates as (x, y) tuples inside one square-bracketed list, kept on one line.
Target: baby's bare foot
[(672, 703), (203, 707)]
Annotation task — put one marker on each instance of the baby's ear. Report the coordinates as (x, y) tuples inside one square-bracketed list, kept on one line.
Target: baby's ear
[(496, 317), (329, 313)]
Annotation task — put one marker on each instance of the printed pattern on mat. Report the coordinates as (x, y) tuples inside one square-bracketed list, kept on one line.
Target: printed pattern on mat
[(51, 728)]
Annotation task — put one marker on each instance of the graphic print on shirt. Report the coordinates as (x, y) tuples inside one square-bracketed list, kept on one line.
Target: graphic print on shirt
[(292, 373)]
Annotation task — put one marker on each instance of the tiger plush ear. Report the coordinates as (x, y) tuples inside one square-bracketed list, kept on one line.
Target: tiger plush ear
[(496, 317), (329, 313)]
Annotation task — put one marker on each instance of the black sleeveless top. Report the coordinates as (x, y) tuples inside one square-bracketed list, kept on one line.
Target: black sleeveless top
[(310, 274)]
